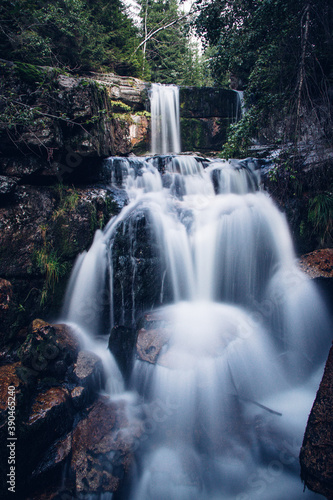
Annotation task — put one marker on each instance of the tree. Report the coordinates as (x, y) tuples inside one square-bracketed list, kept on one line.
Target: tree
[(165, 42), (279, 49), (78, 34)]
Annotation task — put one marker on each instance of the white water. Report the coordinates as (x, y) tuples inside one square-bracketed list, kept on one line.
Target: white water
[(247, 329), (165, 127)]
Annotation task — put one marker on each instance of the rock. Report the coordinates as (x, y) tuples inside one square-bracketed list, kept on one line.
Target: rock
[(74, 125), (52, 225), (50, 411), (150, 342), (88, 371), (121, 344), (7, 310), (318, 263), (152, 336), (49, 349), (138, 132), (80, 397), (138, 269), (7, 187), (206, 114), (102, 448), (316, 456), (51, 417)]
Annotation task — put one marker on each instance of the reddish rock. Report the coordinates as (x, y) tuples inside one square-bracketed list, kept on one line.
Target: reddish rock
[(150, 342), (8, 377), (316, 456), (46, 404), (102, 447), (89, 370), (153, 335), (318, 263)]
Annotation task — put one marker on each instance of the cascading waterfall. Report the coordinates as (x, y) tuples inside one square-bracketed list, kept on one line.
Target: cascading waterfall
[(165, 128), (224, 397), (247, 331)]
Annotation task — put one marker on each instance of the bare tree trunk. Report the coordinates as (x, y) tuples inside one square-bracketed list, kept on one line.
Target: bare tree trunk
[(304, 42), (145, 40)]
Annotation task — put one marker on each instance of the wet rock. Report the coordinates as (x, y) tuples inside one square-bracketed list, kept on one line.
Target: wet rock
[(80, 397), (50, 408), (49, 349), (102, 448), (150, 342), (7, 309), (50, 466), (7, 187), (88, 371), (49, 225), (51, 417), (153, 334), (121, 344), (139, 269), (316, 456), (318, 263)]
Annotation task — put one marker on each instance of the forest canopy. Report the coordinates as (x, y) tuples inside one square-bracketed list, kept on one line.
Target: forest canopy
[(280, 52), (73, 34)]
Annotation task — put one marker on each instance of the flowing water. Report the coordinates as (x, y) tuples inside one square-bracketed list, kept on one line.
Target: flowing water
[(165, 124), (224, 403)]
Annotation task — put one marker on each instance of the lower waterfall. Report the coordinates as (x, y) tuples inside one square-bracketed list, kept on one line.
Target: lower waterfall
[(231, 335)]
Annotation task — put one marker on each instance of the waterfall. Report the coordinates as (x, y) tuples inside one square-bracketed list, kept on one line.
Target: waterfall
[(165, 124), (225, 396)]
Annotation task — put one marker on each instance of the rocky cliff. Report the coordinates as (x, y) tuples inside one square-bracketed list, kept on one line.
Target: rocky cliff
[(55, 131)]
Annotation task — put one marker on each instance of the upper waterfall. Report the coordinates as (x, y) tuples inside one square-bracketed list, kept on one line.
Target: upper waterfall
[(165, 123)]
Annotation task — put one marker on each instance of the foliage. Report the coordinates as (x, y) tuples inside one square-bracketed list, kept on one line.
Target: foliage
[(240, 134), (50, 264), (321, 213), (169, 56), (78, 34), (279, 52)]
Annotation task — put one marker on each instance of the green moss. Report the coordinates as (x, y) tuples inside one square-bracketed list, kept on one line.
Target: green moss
[(143, 113), (29, 73), (121, 105)]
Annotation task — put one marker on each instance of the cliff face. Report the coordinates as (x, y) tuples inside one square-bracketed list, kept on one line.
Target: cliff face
[(53, 125), (55, 131)]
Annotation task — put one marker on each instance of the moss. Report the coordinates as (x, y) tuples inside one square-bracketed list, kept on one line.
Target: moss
[(29, 73), (120, 105), (145, 113)]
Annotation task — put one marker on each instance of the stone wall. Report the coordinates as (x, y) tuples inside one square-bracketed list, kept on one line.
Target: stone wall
[(206, 113)]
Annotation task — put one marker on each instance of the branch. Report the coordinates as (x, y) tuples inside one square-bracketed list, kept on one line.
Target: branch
[(165, 26), (302, 66)]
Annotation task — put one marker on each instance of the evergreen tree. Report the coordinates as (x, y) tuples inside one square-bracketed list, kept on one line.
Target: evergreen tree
[(166, 47), (281, 51), (78, 34)]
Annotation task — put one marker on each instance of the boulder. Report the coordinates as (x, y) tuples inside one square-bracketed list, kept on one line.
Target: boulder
[(316, 456), (88, 371), (102, 447), (49, 349), (121, 344)]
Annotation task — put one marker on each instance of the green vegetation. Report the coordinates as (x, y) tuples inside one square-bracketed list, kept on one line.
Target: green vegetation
[(168, 54), (49, 264), (320, 214), (75, 34), (280, 53)]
